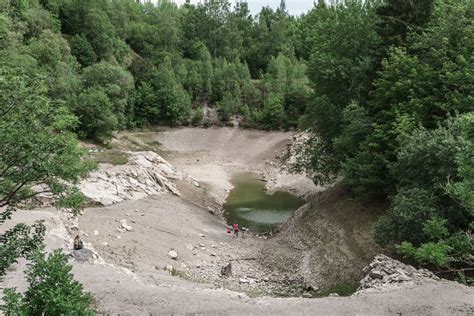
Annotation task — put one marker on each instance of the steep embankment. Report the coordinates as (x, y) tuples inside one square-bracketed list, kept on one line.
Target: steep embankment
[(328, 242)]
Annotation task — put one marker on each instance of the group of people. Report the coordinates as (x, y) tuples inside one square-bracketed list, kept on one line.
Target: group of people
[(235, 228)]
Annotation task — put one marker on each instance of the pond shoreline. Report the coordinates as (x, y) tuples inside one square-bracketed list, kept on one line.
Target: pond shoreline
[(250, 204)]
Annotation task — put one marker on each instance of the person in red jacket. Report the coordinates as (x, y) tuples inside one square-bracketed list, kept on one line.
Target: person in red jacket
[(236, 230)]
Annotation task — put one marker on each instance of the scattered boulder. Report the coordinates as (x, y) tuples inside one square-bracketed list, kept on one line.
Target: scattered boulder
[(244, 281), (169, 268), (226, 270), (173, 254), (84, 255), (124, 225)]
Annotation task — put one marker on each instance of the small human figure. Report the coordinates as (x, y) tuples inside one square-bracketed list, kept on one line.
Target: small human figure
[(236, 230), (244, 229), (78, 243), (228, 230)]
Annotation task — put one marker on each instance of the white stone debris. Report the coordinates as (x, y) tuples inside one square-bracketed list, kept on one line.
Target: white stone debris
[(173, 254), (146, 173), (384, 273)]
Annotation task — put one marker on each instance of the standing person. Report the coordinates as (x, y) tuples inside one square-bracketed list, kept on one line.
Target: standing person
[(244, 229), (236, 230), (228, 230)]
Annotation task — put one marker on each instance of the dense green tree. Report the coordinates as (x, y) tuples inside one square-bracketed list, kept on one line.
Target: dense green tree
[(146, 105), (40, 154), (116, 82), (174, 101), (96, 115), (38, 145), (82, 50), (426, 218), (398, 17)]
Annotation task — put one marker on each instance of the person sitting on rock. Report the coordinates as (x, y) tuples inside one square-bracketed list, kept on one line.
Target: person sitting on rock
[(78, 243), (236, 230)]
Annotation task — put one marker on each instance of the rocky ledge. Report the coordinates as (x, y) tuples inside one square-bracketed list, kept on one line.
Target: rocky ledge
[(146, 173)]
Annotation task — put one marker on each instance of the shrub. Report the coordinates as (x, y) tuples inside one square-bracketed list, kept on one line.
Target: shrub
[(52, 289)]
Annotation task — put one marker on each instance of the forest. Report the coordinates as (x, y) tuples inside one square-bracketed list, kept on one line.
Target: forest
[(384, 89)]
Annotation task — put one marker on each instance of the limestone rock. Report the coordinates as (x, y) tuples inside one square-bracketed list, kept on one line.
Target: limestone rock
[(169, 268), (173, 254), (244, 281), (124, 225), (84, 255), (384, 272), (146, 173)]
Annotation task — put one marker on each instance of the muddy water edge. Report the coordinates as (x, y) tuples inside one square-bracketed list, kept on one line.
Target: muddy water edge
[(251, 206)]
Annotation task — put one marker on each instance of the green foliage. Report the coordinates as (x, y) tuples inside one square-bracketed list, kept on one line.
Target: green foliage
[(20, 241), (37, 144), (227, 107), (197, 117), (273, 113), (82, 50), (429, 253), (146, 105), (40, 154), (43, 295), (424, 212), (116, 83), (95, 113), (174, 101), (435, 228)]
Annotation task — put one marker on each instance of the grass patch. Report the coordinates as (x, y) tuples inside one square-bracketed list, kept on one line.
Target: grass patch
[(342, 289), (114, 157)]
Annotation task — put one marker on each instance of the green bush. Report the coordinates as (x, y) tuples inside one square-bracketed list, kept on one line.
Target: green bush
[(197, 116), (52, 290), (273, 114), (96, 116)]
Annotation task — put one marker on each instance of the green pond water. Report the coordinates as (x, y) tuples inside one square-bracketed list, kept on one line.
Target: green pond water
[(249, 204)]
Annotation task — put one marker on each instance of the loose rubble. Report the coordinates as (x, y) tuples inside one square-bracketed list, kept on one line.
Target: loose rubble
[(384, 272)]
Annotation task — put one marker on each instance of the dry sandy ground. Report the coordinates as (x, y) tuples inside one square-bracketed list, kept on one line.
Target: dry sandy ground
[(128, 276), (213, 155), (120, 291)]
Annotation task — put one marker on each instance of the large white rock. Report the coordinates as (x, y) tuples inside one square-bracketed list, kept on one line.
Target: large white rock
[(173, 254), (146, 173)]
